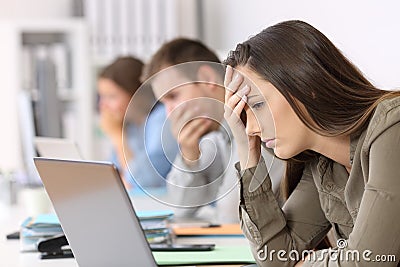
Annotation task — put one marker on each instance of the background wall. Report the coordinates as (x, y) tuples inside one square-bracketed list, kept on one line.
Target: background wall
[(368, 32), (35, 9)]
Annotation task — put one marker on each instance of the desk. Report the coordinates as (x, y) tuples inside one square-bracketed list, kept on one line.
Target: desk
[(10, 256)]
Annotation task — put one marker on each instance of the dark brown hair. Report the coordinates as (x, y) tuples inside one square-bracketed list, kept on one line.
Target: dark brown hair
[(326, 91), (177, 51), (125, 72)]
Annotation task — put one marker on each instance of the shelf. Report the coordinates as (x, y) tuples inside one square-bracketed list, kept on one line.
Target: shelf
[(77, 93)]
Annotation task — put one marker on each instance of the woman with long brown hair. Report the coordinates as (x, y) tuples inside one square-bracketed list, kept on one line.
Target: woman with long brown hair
[(133, 120), (340, 136)]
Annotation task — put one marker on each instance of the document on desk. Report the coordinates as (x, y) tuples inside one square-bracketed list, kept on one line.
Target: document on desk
[(38, 227), (221, 254), (222, 230), (155, 225)]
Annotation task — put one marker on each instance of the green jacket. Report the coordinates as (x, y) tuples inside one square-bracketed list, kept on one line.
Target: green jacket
[(362, 208)]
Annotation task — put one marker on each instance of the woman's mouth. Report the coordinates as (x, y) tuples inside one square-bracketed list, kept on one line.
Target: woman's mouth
[(270, 143)]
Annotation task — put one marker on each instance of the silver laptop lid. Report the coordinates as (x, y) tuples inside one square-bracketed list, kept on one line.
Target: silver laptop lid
[(95, 213), (60, 148)]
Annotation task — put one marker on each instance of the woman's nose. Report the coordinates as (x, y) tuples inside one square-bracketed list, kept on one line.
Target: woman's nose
[(252, 126)]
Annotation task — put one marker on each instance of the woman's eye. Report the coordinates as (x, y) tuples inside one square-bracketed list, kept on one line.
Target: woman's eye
[(258, 105)]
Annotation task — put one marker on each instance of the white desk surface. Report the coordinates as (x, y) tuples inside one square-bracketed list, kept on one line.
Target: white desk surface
[(10, 255)]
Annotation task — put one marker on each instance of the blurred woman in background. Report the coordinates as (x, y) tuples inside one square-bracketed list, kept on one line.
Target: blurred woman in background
[(140, 142)]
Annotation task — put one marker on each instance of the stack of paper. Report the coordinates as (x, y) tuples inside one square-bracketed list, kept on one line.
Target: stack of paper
[(154, 223), (36, 228)]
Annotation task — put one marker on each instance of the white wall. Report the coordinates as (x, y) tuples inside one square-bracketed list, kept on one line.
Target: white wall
[(35, 9), (368, 31)]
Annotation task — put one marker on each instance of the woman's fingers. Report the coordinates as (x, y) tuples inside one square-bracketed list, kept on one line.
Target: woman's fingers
[(240, 106), (228, 75), (235, 98), (227, 80), (232, 85)]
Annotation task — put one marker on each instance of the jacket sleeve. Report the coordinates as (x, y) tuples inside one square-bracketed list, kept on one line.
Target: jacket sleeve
[(193, 186), (298, 226), (375, 238)]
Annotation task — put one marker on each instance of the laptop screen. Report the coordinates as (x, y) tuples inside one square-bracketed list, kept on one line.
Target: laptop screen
[(95, 213), (57, 148)]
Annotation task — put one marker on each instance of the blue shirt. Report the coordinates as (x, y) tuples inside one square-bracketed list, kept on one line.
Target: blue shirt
[(154, 150)]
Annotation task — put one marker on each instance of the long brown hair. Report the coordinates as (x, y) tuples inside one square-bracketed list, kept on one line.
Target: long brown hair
[(125, 72), (307, 68)]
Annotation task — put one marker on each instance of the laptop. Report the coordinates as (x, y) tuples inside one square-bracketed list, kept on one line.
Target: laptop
[(95, 213), (50, 147)]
